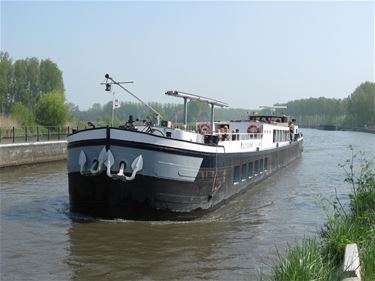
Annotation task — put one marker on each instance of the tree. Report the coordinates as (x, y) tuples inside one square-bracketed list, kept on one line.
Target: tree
[(50, 77), (198, 111), (6, 73), (51, 109), (26, 81), (361, 105), (33, 82), (23, 114)]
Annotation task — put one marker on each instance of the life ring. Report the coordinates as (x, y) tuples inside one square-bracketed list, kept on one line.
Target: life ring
[(253, 129), (204, 128)]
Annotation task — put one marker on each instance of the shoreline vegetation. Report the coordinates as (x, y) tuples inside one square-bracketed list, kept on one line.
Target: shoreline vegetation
[(321, 258)]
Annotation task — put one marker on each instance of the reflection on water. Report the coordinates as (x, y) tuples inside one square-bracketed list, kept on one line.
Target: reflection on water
[(41, 240), (140, 250)]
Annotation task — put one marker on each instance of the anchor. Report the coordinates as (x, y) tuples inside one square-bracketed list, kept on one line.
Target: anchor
[(137, 165), (99, 163), (107, 159), (82, 163)]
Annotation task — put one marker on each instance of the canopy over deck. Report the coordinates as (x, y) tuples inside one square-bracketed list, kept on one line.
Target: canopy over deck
[(196, 98), (187, 96)]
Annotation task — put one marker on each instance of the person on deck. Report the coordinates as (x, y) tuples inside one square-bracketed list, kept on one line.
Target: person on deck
[(291, 130)]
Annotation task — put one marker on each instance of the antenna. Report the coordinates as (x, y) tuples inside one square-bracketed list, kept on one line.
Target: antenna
[(110, 81)]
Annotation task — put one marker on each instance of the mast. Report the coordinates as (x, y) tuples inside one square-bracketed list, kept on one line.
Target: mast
[(112, 81)]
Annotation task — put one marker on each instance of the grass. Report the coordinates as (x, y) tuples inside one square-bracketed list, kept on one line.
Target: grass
[(303, 262), (321, 258)]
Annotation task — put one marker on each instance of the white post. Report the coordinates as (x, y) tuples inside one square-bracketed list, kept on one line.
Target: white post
[(113, 107), (351, 262)]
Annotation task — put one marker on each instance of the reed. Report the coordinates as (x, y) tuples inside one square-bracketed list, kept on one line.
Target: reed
[(7, 121)]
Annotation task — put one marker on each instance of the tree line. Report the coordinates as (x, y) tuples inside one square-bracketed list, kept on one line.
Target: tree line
[(169, 111), (32, 91), (353, 112)]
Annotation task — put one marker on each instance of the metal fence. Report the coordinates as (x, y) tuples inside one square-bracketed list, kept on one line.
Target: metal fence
[(33, 134)]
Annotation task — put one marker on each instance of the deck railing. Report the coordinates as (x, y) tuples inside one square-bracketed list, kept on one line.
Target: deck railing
[(237, 136)]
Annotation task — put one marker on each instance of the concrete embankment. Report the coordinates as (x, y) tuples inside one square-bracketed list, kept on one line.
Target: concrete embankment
[(29, 153)]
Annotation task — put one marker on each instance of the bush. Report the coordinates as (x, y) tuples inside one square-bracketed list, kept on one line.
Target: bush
[(22, 114), (51, 110)]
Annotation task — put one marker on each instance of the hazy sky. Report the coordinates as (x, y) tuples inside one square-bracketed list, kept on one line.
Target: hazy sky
[(245, 53)]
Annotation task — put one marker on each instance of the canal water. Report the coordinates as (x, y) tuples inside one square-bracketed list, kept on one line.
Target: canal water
[(41, 240)]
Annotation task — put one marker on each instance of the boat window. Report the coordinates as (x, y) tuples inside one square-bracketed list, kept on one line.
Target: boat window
[(250, 170), (266, 163), (236, 174), (244, 171), (274, 135), (261, 168), (256, 167)]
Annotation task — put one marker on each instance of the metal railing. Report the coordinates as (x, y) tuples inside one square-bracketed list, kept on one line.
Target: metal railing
[(34, 134), (232, 136)]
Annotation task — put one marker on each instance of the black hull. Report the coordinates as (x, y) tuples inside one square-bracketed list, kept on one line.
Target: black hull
[(152, 198), (105, 198)]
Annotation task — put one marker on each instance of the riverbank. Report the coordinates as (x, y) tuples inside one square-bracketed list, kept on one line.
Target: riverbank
[(340, 128), (321, 258), (15, 154)]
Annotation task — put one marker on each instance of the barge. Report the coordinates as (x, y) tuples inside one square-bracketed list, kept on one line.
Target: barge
[(156, 171)]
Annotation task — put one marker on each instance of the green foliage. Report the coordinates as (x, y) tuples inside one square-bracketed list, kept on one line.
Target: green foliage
[(169, 111), (315, 111), (360, 105), (358, 225), (198, 111), (356, 111), (304, 262), (25, 83), (310, 112), (26, 80), (50, 77), (6, 73), (322, 260), (22, 114), (367, 256), (51, 110)]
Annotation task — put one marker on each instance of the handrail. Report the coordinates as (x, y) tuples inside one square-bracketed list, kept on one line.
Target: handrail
[(34, 133), (237, 136)]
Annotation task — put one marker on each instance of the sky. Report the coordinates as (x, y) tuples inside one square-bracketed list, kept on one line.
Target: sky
[(247, 54)]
